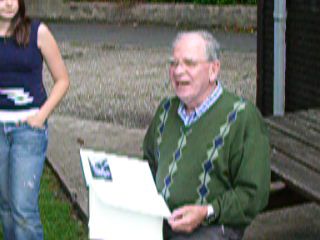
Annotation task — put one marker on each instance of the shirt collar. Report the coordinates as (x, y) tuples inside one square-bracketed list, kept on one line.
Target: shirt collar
[(188, 119)]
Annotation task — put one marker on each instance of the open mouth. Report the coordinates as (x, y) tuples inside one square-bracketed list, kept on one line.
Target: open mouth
[(182, 83)]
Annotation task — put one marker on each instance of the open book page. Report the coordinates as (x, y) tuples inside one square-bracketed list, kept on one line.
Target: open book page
[(123, 182)]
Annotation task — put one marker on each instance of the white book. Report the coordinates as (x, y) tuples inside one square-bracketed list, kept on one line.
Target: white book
[(123, 200)]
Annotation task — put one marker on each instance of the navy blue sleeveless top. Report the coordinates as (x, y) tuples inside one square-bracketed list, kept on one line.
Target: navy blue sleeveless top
[(21, 85)]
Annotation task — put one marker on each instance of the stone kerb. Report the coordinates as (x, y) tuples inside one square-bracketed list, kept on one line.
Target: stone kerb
[(189, 14), (239, 16)]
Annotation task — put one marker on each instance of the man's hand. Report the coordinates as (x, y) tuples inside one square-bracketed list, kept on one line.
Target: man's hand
[(187, 218)]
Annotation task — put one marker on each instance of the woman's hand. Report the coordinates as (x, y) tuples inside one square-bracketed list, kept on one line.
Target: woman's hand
[(35, 121)]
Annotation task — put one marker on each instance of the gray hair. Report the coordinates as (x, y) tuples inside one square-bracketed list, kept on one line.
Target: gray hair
[(212, 48)]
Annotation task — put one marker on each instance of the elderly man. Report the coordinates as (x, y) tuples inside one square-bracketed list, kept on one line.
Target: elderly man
[(208, 149)]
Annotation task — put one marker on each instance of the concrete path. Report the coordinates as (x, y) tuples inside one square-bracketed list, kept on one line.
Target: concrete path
[(68, 135), (143, 35)]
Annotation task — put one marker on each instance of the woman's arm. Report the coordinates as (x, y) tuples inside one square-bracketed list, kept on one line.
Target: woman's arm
[(51, 54)]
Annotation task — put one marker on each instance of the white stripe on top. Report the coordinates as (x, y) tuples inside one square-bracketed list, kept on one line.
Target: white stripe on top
[(16, 116)]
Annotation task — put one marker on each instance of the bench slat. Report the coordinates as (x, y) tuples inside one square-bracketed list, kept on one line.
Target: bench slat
[(299, 132), (313, 117), (296, 175), (296, 150), (302, 118)]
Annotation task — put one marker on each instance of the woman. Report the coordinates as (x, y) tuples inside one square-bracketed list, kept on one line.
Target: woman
[(24, 109)]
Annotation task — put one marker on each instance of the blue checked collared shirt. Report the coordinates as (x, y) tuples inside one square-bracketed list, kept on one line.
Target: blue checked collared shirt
[(188, 119)]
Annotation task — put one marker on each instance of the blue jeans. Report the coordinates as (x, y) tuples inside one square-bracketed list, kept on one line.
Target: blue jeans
[(22, 156)]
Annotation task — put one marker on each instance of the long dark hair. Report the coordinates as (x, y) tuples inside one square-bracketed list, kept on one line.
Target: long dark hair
[(21, 26)]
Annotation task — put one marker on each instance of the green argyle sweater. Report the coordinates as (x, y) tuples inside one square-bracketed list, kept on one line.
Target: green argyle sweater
[(222, 159)]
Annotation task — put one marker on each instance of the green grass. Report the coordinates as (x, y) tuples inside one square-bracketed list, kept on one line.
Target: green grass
[(58, 217)]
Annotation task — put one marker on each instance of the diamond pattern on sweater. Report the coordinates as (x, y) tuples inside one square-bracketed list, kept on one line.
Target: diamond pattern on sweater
[(177, 155), (207, 166), (163, 119), (173, 167), (203, 190), (232, 116), (213, 152), (218, 142)]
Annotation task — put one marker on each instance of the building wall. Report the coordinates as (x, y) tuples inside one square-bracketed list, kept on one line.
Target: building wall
[(302, 89), (303, 55)]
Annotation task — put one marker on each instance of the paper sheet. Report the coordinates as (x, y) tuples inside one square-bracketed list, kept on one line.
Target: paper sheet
[(128, 183)]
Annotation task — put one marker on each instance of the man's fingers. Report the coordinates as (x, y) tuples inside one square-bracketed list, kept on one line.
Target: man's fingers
[(178, 213), (178, 224), (181, 221), (187, 218)]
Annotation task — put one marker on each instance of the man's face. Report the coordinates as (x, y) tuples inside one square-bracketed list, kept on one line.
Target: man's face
[(190, 71), (8, 9)]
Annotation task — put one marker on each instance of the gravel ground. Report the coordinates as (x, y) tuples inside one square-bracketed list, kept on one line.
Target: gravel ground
[(124, 85)]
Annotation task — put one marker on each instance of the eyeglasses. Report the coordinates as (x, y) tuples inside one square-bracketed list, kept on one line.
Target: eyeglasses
[(189, 63)]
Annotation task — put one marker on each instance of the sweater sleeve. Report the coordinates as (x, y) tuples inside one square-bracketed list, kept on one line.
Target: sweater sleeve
[(149, 142), (250, 174), (149, 147)]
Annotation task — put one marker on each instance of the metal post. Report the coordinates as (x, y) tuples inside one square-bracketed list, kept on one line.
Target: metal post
[(280, 16)]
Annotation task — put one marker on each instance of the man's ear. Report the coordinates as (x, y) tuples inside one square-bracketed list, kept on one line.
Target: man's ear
[(214, 70)]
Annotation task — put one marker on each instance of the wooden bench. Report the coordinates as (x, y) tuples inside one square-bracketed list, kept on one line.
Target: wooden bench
[(299, 222), (295, 142)]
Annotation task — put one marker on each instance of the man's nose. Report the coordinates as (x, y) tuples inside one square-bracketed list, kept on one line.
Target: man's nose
[(9, 2), (179, 69)]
